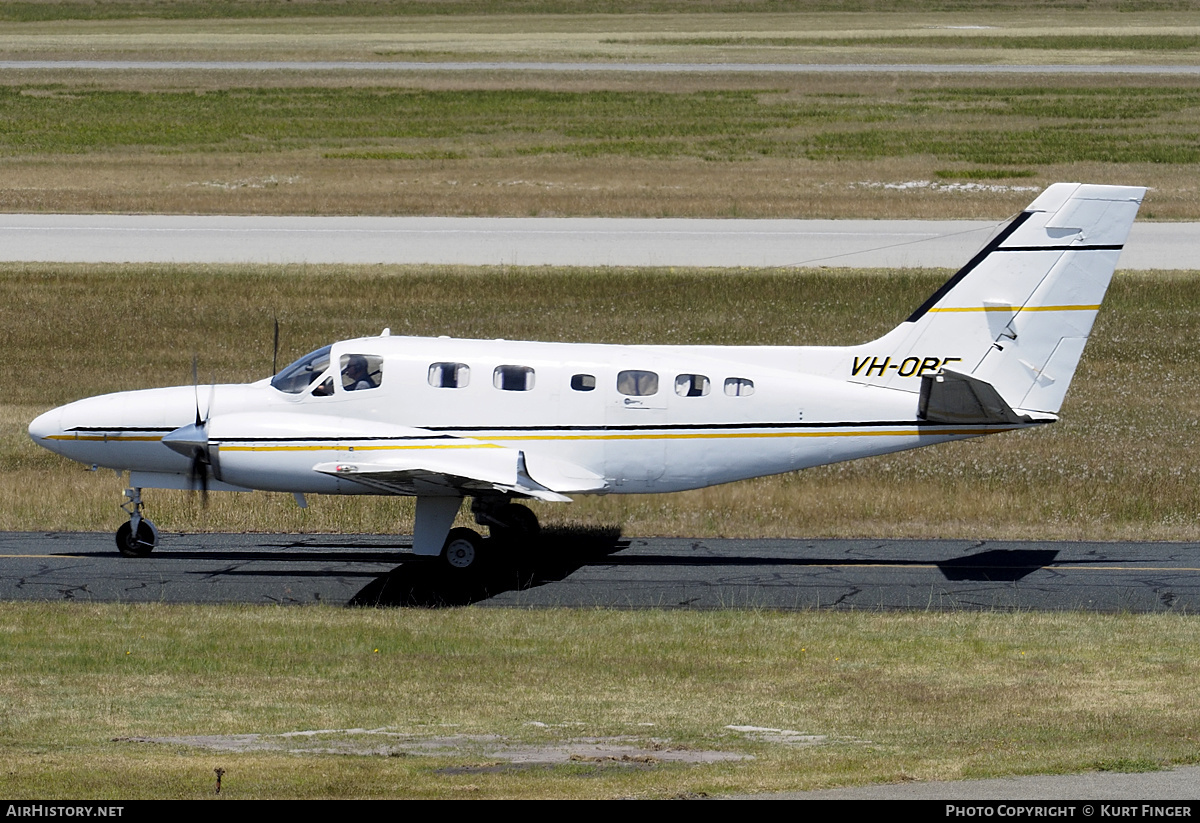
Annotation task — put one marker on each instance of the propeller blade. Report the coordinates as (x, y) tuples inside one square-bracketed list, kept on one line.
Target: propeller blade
[(196, 387), (200, 476), (192, 442)]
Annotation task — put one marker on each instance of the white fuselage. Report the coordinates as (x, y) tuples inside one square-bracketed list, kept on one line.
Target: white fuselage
[(581, 423)]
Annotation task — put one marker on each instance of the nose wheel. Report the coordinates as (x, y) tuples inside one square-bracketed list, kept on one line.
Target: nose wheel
[(138, 536), (137, 543)]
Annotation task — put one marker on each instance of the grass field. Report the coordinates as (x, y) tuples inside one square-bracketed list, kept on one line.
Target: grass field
[(853, 698), (919, 148), (546, 143), (1112, 468)]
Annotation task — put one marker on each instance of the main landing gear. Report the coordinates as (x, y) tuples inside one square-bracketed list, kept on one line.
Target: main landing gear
[(511, 526), (138, 536)]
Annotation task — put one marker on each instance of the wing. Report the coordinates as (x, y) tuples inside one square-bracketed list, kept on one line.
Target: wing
[(278, 450), (472, 468)]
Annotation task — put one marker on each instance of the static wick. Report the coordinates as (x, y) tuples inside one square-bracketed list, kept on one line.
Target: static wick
[(219, 771)]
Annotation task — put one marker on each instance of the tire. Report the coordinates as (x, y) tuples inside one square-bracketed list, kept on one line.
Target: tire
[(140, 545), (520, 524), (463, 551)]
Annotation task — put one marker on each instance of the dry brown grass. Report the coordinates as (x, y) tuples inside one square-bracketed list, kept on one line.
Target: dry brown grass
[(303, 183), (1116, 467), (674, 37)]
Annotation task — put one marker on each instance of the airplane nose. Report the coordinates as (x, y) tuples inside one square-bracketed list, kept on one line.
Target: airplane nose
[(45, 426)]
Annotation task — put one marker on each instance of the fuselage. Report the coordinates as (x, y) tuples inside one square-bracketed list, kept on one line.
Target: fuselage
[(586, 418)]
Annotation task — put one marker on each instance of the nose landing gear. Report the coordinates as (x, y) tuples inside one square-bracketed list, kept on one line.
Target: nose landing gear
[(138, 536)]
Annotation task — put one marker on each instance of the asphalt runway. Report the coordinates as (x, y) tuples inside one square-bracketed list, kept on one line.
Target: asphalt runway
[(603, 569), (581, 241)]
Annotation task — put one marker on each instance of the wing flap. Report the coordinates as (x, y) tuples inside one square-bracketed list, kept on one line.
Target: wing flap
[(465, 471)]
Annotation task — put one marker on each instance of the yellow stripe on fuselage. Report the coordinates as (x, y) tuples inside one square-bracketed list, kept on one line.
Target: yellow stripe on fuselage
[(492, 441)]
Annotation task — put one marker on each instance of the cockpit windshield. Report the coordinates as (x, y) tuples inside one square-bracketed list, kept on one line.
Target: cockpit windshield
[(300, 375)]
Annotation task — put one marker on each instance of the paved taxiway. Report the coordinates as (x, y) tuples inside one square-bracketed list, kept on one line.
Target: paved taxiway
[(191, 239), (605, 570)]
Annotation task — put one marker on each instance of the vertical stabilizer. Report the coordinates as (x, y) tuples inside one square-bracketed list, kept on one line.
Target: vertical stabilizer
[(1018, 314)]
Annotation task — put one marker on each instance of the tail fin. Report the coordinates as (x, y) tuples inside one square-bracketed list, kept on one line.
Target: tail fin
[(1017, 316)]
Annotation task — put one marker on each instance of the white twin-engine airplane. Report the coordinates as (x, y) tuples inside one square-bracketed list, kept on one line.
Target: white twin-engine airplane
[(994, 349)]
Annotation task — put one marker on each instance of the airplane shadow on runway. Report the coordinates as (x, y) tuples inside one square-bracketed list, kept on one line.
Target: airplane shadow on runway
[(997, 565), (560, 554), (555, 555)]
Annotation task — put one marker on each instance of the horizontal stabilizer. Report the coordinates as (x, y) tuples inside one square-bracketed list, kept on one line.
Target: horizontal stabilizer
[(951, 397)]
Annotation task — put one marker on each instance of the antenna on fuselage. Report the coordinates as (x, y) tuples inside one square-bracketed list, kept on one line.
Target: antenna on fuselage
[(275, 349)]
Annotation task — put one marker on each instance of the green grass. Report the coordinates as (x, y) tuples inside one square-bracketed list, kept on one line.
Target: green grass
[(984, 174), (897, 697), (57, 120), (1019, 126)]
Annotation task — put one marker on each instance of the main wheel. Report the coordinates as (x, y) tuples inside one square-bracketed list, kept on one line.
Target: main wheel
[(463, 550), (139, 545), (519, 524)]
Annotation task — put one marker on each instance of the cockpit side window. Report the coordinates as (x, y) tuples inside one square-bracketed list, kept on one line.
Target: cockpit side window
[(361, 371), (299, 375)]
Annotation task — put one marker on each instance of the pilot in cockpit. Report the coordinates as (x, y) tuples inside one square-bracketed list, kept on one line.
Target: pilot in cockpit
[(356, 374)]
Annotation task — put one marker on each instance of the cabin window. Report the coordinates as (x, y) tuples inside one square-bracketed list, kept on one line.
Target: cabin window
[(361, 371), (583, 382), (637, 383), (739, 387), (513, 378), (692, 385), (449, 375), (300, 375)]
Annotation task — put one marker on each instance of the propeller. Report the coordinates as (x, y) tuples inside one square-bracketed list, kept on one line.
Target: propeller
[(192, 440)]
